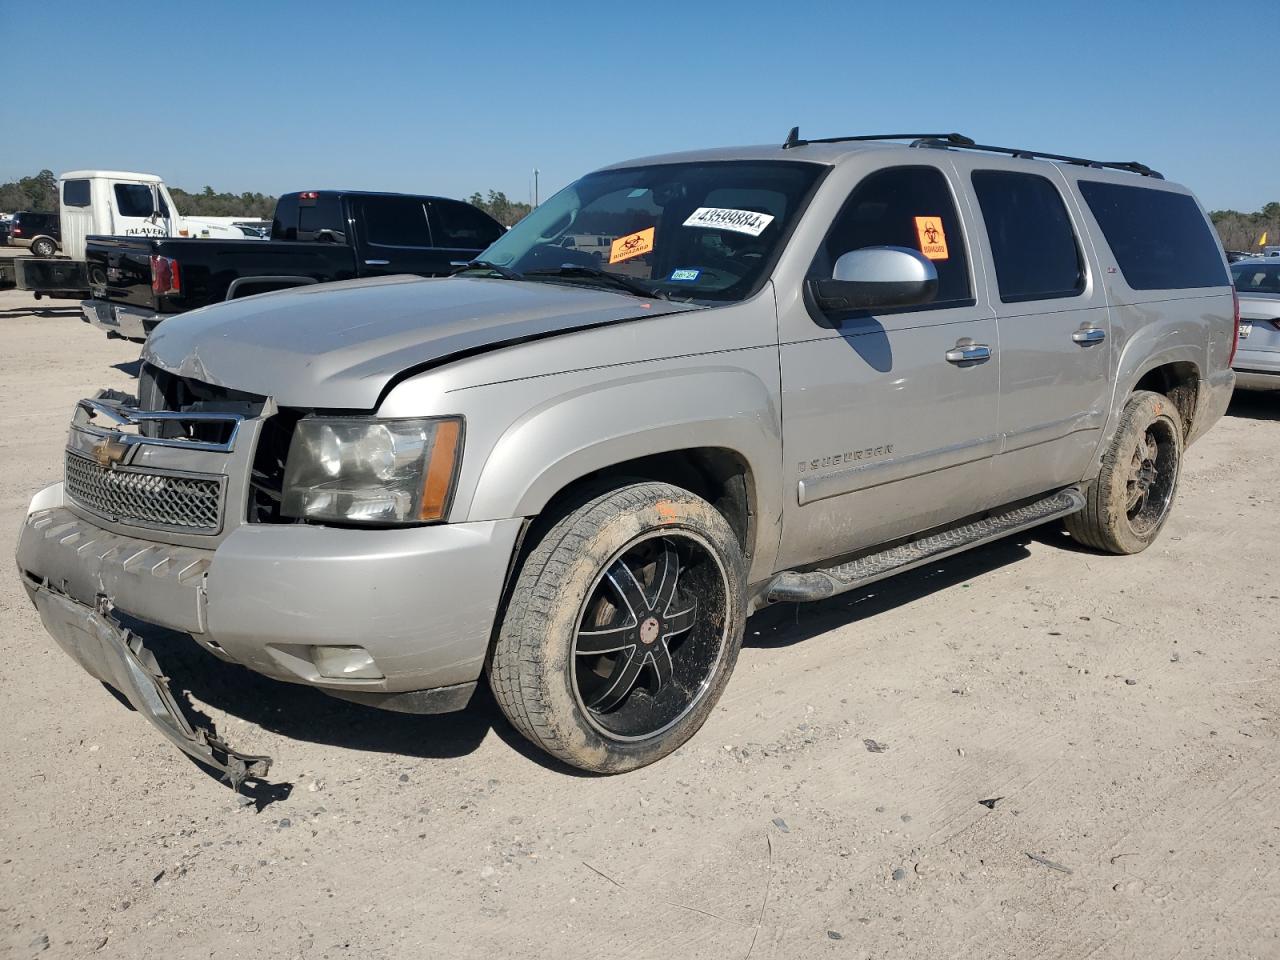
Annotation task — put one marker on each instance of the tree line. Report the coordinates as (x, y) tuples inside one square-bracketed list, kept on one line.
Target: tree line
[(1244, 231), (40, 192)]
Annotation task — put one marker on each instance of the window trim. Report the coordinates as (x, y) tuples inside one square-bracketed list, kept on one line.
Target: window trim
[(1081, 261), (825, 319)]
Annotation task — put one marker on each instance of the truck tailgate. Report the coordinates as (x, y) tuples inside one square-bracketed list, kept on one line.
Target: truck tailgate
[(120, 270)]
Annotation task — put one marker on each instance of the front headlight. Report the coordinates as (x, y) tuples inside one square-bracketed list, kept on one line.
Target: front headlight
[(362, 470)]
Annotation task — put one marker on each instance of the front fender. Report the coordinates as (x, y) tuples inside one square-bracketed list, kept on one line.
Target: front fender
[(598, 425)]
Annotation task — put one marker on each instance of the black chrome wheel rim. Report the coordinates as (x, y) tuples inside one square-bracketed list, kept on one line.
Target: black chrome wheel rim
[(650, 635), (1152, 474)]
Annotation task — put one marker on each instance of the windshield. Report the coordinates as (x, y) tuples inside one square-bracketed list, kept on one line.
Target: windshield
[(696, 231), (1257, 277)]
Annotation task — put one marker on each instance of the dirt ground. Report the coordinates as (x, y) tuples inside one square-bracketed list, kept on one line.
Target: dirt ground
[(1081, 758)]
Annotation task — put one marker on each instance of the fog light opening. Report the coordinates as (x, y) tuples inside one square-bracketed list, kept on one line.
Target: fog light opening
[(345, 663)]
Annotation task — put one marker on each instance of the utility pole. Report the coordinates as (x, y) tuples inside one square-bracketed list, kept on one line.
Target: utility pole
[(535, 186)]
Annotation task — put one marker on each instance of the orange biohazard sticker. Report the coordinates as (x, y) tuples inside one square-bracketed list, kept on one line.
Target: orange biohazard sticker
[(933, 241), (632, 245)]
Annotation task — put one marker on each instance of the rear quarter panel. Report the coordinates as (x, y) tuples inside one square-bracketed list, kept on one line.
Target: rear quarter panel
[(1151, 328)]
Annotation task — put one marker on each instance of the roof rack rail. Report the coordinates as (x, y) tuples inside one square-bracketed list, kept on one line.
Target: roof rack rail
[(1131, 166), (954, 139), (945, 141)]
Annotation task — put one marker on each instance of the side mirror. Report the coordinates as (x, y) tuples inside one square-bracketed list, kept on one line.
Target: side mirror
[(877, 277)]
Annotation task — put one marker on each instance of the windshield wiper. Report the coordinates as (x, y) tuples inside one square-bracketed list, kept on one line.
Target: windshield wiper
[(593, 273), (504, 272)]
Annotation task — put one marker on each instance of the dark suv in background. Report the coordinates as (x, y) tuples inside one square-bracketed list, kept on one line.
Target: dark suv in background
[(42, 232)]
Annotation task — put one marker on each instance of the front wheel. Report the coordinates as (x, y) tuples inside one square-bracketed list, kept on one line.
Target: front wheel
[(1127, 504), (622, 629), (43, 247)]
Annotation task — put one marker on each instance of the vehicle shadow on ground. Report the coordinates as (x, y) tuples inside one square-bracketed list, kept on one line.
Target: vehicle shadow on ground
[(130, 369), (302, 713), (1255, 405), (787, 623), (48, 312)]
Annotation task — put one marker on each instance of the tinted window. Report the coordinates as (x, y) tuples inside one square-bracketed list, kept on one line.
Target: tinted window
[(284, 222), (903, 207), (75, 193), (394, 221), (1160, 239), (462, 225), (1257, 277), (1032, 242), (323, 212), (133, 200)]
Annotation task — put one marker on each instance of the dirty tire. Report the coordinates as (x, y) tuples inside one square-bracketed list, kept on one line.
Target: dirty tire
[(1128, 503), (566, 599), (43, 247)]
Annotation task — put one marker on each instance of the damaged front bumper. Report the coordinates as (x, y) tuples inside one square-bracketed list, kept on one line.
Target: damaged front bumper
[(117, 656)]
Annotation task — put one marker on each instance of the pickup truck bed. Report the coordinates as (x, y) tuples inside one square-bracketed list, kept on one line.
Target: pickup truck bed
[(316, 236), (210, 270)]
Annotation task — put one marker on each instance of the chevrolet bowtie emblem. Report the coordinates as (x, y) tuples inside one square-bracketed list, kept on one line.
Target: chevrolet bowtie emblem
[(109, 452)]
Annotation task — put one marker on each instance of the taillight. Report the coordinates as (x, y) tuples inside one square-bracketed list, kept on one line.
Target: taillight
[(17, 231), (165, 275), (1235, 324)]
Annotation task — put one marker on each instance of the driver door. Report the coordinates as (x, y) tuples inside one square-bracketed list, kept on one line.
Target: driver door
[(135, 212), (888, 430)]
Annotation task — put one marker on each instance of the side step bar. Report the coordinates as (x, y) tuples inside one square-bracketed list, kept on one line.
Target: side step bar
[(791, 586)]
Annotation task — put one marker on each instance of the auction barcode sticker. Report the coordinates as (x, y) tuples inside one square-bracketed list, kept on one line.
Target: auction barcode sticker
[(725, 218)]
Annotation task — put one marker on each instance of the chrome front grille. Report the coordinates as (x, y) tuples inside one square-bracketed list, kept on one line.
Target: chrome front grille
[(165, 500)]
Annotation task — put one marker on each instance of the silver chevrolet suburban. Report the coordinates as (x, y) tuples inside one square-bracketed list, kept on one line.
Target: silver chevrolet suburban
[(681, 389)]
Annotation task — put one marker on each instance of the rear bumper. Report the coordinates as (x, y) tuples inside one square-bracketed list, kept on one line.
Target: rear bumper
[(422, 602), (118, 320), (1257, 369)]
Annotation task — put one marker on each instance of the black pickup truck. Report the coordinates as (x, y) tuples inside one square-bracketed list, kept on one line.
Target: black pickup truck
[(316, 236)]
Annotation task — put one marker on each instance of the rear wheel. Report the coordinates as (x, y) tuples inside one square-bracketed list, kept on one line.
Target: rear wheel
[(1128, 503), (43, 247), (622, 629)]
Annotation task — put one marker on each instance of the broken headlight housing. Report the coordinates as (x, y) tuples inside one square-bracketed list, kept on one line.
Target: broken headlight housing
[(368, 471)]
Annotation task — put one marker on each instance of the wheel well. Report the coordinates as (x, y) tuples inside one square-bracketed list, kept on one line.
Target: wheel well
[(1180, 382), (719, 476)]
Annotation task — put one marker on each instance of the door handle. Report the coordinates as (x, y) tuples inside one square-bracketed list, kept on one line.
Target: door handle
[(1087, 335), (376, 263), (969, 353)]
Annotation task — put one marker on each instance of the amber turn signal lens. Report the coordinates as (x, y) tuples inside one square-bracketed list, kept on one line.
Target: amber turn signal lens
[(441, 464)]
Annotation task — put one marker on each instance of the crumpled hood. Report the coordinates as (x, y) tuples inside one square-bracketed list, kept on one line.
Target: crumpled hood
[(338, 345)]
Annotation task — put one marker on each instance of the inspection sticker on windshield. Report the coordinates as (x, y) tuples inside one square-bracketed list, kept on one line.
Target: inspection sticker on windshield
[(632, 245), (724, 218), (933, 241), (685, 274)]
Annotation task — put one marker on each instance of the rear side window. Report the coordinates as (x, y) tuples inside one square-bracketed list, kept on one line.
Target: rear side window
[(75, 193), (133, 200), (1160, 239), (462, 226), (284, 222), (394, 221), (903, 207), (321, 213), (1032, 241)]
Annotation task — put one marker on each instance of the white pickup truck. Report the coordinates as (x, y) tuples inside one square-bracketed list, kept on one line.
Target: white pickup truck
[(105, 203)]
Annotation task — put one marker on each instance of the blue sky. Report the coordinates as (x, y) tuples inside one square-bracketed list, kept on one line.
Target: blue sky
[(452, 98)]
